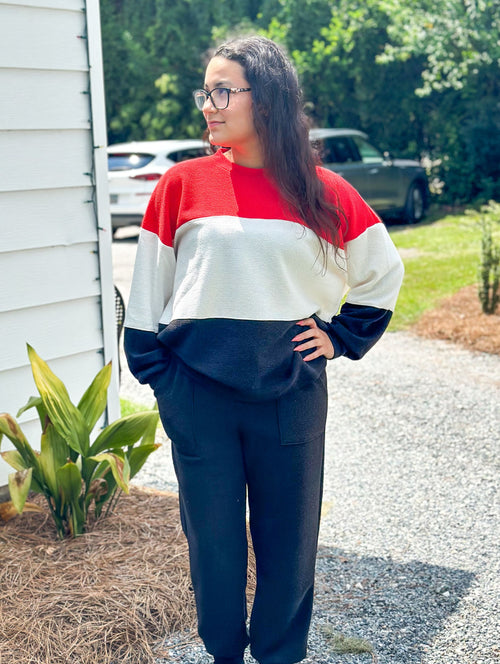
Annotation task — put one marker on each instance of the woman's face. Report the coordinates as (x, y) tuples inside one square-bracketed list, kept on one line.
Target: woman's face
[(233, 126)]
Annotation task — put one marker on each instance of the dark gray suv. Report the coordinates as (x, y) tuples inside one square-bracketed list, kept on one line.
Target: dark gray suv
[(395, 188)]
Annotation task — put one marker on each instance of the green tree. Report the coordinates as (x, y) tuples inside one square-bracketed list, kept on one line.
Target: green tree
[(335, 48), (153, 55), (419, 78), (457, 42)]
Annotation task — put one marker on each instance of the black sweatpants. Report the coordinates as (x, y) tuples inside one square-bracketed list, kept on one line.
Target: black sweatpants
[(224, 447)]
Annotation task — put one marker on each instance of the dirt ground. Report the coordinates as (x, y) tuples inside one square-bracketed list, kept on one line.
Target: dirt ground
[(459, 319)]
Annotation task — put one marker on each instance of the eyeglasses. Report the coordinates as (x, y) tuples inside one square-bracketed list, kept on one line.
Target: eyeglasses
[(218, 96)]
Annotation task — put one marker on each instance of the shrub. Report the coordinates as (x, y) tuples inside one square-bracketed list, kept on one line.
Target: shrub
[(489, 267), (72, 472)]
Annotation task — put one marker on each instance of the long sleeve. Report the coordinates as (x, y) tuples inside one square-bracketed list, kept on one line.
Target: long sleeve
[(373, 274), (152, 286), (146, 357)]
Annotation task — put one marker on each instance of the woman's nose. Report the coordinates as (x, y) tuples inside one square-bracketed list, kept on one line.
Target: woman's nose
[(208, 105)]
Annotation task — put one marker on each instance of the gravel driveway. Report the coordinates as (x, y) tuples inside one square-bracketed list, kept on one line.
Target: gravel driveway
[(409, 543)]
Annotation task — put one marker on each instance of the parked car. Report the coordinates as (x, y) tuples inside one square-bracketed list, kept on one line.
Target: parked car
[(134, 170), (393, 187)]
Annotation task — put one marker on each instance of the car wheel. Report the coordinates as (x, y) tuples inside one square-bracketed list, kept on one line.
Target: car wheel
[(415, 204)]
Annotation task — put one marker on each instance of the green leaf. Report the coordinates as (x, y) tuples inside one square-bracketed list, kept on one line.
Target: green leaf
[(93, 402), (34, 402), (19, 486), (138, 455), (36, 486), (124, 432), (119, 467), (54, 454), (69, 482), (65, 416), (14, 459), (10, 428)]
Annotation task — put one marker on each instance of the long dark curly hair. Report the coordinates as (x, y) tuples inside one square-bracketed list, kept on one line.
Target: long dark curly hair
[(283, 129)]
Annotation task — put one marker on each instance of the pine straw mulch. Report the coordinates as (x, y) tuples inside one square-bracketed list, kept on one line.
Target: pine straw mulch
[(107, 597), (459, 319)]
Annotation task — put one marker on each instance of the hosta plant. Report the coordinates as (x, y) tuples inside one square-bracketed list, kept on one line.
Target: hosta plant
[(75, 470)]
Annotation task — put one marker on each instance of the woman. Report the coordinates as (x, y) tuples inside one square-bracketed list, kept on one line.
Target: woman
[(242, 264)]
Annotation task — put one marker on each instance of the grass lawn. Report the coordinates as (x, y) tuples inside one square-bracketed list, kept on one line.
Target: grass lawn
[(441, 256), (129, 407)]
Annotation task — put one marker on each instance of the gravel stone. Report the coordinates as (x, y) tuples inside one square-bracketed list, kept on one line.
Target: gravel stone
[(408, 557)]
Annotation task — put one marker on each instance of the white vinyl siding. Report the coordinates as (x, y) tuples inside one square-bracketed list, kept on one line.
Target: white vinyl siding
[(45, 159), (37, 276), (50, 216), (56, 287), (38, 36), (61, 99)]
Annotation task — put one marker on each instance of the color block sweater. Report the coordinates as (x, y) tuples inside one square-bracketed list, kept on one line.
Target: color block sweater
[(224, 270)]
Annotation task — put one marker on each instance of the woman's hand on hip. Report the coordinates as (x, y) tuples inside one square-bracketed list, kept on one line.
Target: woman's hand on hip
[(314, 338)]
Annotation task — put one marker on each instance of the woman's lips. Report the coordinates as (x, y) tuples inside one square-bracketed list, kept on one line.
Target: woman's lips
[(212, 125)]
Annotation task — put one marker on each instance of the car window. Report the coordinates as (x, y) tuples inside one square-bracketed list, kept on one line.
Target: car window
[(369, 154), (188, 153), (338, 150), (125, 161)]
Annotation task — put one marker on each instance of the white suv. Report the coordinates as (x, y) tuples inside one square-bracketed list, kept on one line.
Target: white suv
[(134, 170)]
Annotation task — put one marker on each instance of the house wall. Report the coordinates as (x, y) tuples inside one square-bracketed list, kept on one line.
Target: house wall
[(56, 286)]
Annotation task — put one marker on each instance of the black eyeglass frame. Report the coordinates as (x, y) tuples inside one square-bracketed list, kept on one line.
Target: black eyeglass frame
[(208, 95)]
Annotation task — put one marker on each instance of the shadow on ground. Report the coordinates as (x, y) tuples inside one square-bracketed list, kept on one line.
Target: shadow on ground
[(397, 607)]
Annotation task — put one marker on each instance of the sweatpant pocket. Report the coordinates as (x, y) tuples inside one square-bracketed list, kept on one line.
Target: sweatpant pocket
[(302, 413), (175, 396)]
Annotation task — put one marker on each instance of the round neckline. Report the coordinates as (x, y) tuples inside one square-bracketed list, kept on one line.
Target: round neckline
[(235, 168)]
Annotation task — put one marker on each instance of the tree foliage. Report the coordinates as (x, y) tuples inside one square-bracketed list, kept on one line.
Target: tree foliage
[(154, 56), (457, 42), (419, 78), (343, 82)]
